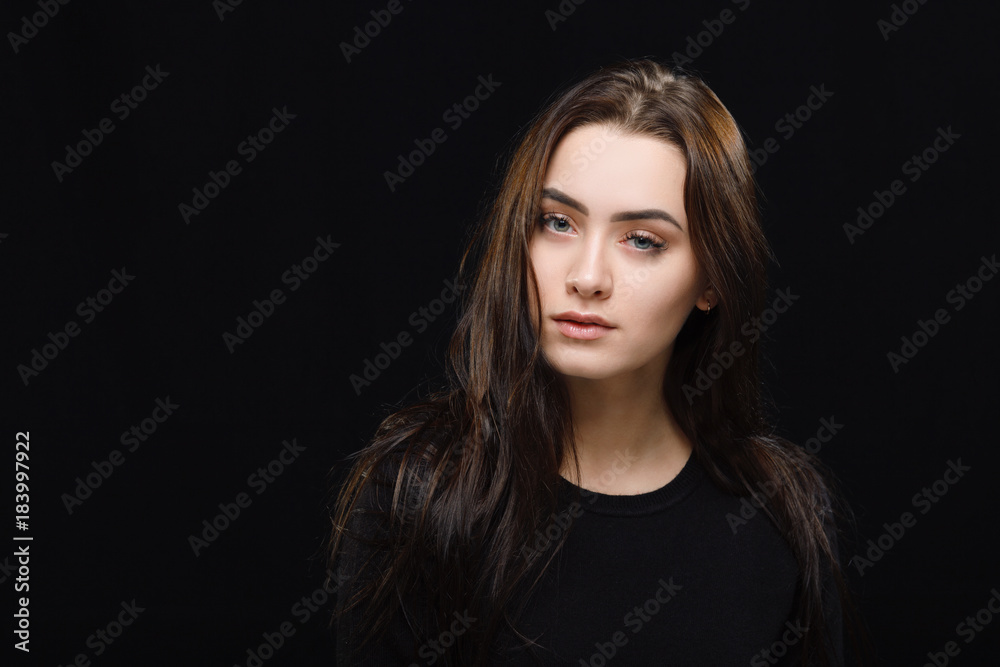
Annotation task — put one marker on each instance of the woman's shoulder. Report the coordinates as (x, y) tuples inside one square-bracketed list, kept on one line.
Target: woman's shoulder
[(393, 471), (379, 503)]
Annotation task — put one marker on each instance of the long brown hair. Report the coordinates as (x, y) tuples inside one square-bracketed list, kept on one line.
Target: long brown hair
[(468, 474)]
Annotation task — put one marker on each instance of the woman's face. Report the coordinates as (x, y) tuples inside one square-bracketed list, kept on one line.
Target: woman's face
[(613, 245)]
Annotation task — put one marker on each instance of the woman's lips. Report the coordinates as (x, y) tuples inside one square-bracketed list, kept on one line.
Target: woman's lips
[(580, 330)]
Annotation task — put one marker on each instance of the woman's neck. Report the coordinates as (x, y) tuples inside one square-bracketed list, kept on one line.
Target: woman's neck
[(627, 439)]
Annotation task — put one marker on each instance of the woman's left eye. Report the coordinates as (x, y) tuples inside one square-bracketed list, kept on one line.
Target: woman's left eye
[(645, 241)]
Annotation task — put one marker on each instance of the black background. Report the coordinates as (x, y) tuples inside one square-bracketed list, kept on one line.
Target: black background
[(323, 176)]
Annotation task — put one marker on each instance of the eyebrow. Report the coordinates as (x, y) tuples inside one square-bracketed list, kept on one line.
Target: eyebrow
[(644, 214)]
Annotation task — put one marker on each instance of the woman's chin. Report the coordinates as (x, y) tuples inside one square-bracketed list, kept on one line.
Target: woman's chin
[(586, 371)]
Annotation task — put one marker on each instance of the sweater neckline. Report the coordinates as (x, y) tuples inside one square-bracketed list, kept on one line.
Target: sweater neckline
[(660, 499)]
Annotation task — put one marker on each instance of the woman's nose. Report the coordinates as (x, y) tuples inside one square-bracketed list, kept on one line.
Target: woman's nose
[(589, 273)]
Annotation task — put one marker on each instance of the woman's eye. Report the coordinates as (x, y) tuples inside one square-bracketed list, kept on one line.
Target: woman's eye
[(556, 223), (645, 242)]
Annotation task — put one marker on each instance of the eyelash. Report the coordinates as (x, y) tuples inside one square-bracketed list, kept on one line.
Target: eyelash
[(654, 245)]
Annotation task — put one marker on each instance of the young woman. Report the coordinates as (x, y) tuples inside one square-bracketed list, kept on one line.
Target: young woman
[(599, 480)]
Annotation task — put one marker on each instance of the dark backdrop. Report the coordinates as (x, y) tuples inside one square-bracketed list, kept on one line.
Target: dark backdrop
[(210, 75)]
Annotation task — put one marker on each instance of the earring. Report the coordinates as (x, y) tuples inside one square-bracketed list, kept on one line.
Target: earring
[(709, 309)]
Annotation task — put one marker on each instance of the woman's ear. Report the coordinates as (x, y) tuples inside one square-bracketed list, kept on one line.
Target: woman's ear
[(708, 299)]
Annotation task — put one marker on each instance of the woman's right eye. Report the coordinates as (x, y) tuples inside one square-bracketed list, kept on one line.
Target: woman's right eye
[(556, 223)]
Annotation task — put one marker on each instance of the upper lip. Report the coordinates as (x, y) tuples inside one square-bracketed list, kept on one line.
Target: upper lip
[(583, 318)]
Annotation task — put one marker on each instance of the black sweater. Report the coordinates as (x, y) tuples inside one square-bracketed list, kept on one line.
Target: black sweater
[(684, 575)]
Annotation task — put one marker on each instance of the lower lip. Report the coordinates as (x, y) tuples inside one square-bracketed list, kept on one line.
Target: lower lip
[(581, 331)]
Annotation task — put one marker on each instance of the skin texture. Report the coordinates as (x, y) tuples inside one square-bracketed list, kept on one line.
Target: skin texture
[(627, 438)]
